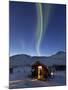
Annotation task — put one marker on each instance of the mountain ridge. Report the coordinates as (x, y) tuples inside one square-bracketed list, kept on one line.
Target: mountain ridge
[(23, 59), (59, 52)]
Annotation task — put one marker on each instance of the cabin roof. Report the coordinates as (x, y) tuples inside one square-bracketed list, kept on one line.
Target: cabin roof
[(37, 63)]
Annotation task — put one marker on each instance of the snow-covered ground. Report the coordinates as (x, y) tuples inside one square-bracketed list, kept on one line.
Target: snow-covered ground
[(20, 80)]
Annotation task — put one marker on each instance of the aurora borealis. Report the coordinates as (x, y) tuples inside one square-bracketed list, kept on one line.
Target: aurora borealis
[(37, 28), (40, 24)]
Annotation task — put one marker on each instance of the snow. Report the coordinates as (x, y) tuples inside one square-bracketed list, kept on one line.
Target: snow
[(20, 80), (21, 65)]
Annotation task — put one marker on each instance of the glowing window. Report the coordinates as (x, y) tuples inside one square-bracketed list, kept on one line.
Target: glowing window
[(40, 67)]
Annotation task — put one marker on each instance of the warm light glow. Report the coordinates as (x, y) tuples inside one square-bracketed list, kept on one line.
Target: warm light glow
[(39, 68)]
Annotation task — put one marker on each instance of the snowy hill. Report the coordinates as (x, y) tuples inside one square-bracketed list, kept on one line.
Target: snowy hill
[(21, 70), (22, 60)]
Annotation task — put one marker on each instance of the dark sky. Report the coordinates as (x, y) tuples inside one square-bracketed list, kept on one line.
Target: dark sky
[(23, 23)]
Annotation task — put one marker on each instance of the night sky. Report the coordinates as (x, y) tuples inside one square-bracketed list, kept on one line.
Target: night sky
[(25, 22)]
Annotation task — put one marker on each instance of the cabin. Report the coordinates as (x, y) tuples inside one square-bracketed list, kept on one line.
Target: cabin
[(39, 71)]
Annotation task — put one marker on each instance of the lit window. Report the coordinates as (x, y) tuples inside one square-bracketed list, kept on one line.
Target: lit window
[(40, 67)]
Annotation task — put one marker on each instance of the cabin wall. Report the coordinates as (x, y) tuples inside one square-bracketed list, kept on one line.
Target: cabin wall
[(43, 72)]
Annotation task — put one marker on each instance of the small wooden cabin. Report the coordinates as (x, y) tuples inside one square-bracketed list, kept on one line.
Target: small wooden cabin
[(39, 71)]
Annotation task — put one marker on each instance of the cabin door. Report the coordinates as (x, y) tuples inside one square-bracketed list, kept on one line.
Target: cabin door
[(39, 72)]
